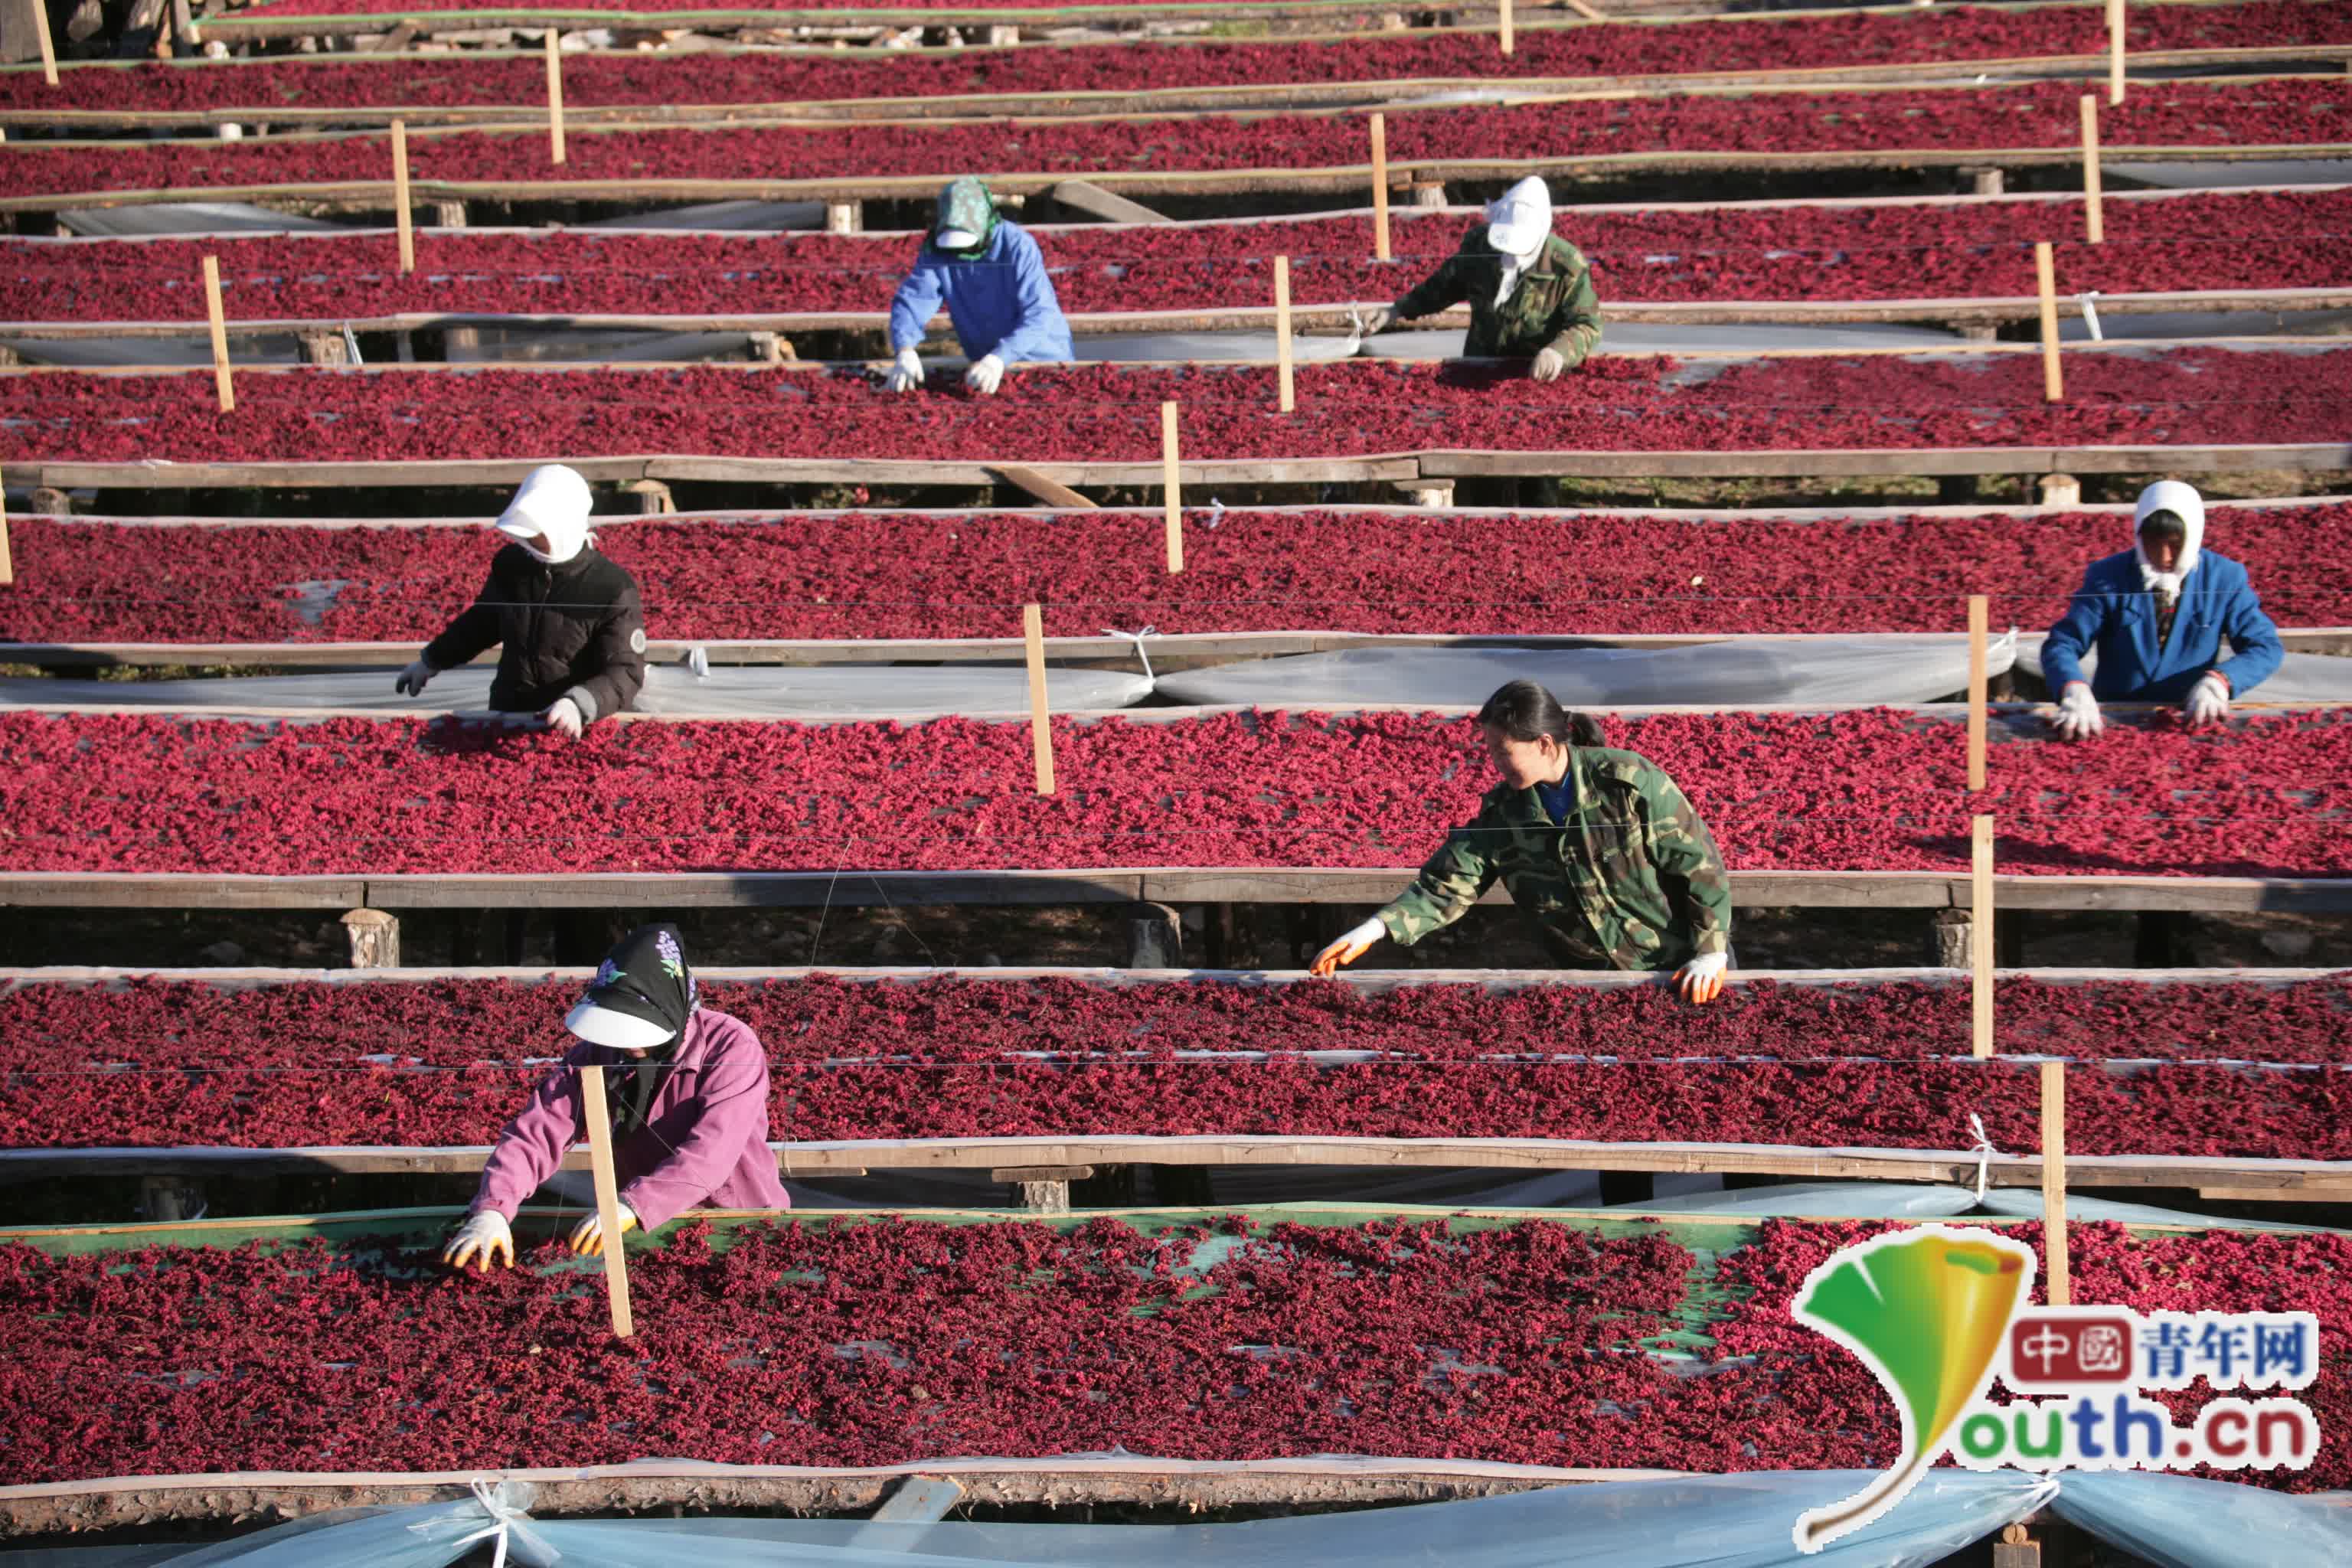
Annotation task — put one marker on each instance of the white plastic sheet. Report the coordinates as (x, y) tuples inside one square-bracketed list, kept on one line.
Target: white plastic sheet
[(1754, 670), (1260, 347), (1706, 1522), (1914, 1200), (2181, 1521), (2299, 677), (720, 218), (1647, 338), (747, 692), (191, 218)]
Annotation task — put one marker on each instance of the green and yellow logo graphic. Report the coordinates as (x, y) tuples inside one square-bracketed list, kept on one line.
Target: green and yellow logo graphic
[(1927, 1311)]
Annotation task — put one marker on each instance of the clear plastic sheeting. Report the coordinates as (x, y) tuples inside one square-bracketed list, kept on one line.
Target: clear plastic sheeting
[(1176, 347), (191, 218), (1914, 1200), (1641, 338), (2204, 176), (2299, 677), (1761, 671), (718, 217), (2181, 1521), (1697, 1522), (172, 353), (530, 345), (735, 692)]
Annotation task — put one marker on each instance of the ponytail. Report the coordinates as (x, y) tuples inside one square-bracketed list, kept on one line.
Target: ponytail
[(1526, 712)]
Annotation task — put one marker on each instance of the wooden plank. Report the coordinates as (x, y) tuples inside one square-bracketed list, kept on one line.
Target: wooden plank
[(2057, 1281), (1050, 491), (1041, 722), (403, 215), (146, 891), (1088, 197), (1380, 173), (1171, 489), (224, 388), (1981, 904), (1979, 618), (2094, 221), (2053, 382), (599, 1118), (555, 152)]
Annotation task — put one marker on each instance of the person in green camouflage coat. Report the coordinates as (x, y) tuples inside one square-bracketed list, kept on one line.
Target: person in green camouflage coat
[(1609, 864), (1530, 292)]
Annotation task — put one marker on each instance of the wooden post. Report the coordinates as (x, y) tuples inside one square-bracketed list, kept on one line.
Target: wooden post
[(2115, 51), (1170, 484), (1289, 398), (1981, 935), (1041, 720), (554, 98), (1380, 187), (2045, 272), (8, 563), (2095, 220), (374, 939), (222, 385), (1979, 618), (399, 196), (608, 1196), (1510, 44), (2059, 1282), (48, 47)]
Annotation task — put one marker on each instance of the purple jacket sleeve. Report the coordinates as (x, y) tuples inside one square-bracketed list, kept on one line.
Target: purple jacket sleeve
[(531, 1146), (732, 1111)]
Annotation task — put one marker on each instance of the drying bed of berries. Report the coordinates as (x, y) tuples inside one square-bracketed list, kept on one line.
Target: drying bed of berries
[(444, 1063), (886, 1341), (1107, 414), (2276, 112), (2232, 240), (1875, 789), (1610, 49), (1809, 1406), (875, 574)]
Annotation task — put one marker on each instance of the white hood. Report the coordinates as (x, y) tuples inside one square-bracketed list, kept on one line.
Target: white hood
[(1519, 220), (553, 501), (2184, 503)]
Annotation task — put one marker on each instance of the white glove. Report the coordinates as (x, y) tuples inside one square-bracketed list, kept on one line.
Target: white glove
[(905, 371), (1549, 363), (1349, 948), (2208, 699), (2077, 718), (564, 718), (412, 679), (588, 1236), (484, 1231), (1701, 980), (985, 375), (1378, 321)]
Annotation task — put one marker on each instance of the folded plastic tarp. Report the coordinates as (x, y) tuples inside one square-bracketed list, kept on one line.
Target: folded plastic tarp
[(1261, 347), (746, 691), (1648, 338), (2300, 678), (720, 218), (195, 349), (1702, 1521), (2181, 1521), (532, 345), (1752, 670), (190, 218), (1910, 1200)]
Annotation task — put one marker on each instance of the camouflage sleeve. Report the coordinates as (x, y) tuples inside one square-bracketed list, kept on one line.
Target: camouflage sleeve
[(1441, 288), (1454, 878), (1680, 845), (1577, 323)]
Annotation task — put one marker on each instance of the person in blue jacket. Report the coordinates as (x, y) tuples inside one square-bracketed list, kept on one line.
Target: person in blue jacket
[(993, 279), (2156, 614)]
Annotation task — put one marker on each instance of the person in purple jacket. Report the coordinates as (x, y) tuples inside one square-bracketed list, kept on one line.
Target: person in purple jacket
[(687, 1087)]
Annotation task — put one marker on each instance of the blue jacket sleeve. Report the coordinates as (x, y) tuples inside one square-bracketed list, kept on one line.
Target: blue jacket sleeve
[(1039, 333), (2254, 645), (917, 302), (2062, 654)]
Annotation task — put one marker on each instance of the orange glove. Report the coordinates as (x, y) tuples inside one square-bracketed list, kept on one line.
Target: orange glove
[(1347, 950), (1701, 980)]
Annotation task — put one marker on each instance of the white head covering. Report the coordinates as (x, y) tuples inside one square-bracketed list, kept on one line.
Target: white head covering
[(2184, 503), (1519, 220), (554, 501), (621, 1031)]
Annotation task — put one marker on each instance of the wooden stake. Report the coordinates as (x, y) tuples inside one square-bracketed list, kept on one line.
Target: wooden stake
[(1168, 483), (2095, 218), (1380, 187), (1585, 11), (1510, 44), (2115, 51), (1981, 935), (608, 1197), (1041, 722), (221, 387), (2059, 1279), (48, 48), (399, 196), (1979, 619), (8, 563), (1289, 399), (2046, 273), (554, 97)]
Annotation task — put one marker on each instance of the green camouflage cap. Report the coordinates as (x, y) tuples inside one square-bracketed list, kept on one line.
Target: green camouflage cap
[(966, 204)]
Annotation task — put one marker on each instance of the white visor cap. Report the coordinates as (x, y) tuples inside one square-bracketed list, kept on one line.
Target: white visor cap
[(603, 1026)]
